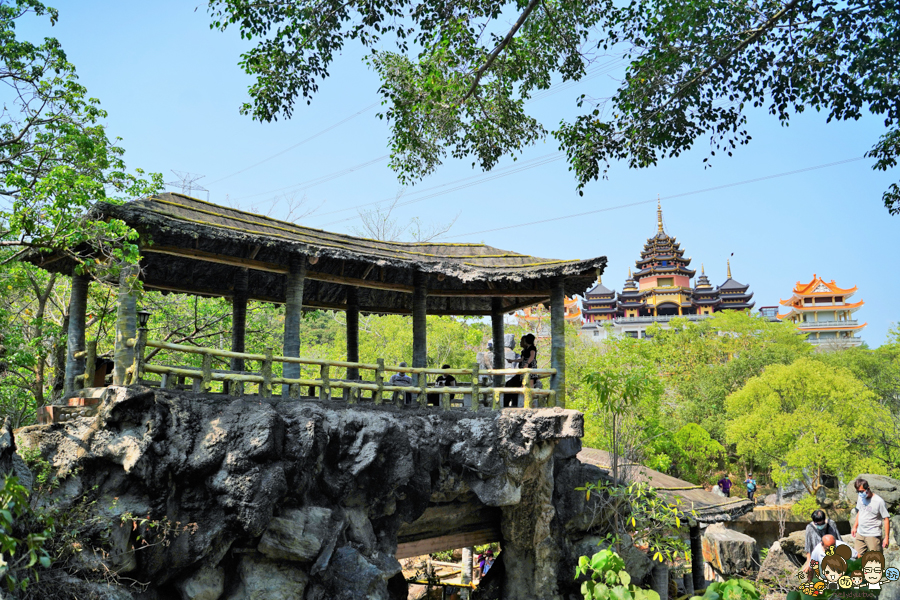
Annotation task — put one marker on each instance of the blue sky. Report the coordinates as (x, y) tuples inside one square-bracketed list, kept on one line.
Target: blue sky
[(173, 88)]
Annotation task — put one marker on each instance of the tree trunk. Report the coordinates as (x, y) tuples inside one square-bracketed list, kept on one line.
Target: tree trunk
[(293, 315), (126, 327), (697, 558), (420, 341), (239, 318), (558, 340), (497, 336), (352, 315), (75, 330)]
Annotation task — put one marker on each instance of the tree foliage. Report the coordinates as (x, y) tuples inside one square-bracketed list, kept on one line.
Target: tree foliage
[(807, 419), (455, 77), (55, 157)]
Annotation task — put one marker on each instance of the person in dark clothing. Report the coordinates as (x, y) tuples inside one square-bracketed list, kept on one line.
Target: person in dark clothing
[(442, 381), (725, 486), (526, 360)]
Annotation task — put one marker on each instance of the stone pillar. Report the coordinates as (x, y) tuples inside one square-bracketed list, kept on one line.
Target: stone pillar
[(531, 553), (293, 315), (466, 572), (558, 340), (497, 336), (126, 326), (75, 339), (239, 318), (697, 558), (420, 341), (352, 330), (688, 581)]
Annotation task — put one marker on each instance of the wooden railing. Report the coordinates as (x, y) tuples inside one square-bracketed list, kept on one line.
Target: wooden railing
[(351, 391)]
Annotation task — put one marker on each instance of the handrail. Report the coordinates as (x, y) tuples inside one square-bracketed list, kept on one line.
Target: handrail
[(204, 376)]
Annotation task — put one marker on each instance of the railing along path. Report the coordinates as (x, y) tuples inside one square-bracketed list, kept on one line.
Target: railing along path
[(325, 383)]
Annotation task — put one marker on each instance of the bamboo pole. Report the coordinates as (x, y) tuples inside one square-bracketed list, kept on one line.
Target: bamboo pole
[(379, 382), (90, 364), (265, 389), (325, 385), (475, 395), (207, 373), (423, 390)]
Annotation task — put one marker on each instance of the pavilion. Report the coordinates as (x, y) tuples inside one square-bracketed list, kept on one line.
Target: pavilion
[(194, 247)]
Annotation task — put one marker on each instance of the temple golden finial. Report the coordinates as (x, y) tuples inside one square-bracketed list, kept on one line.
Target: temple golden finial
[(729, 268), (659, 214), (702, 270), (629, 273)]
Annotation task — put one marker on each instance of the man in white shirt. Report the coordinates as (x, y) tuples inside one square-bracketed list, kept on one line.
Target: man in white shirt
[(871, 514), (818, 553)]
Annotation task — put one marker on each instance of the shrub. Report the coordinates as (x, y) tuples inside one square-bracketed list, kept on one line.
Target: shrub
[(608, 579), (24, 532)]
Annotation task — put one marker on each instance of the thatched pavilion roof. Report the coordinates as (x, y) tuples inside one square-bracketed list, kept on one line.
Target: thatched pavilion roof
[(197, 247), (709, 507)]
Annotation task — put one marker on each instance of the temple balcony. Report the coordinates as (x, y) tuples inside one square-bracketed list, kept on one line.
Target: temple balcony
[(659, 319), (821, 324)]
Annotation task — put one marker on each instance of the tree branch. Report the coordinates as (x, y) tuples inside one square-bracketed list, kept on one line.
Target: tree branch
[(503, 44)]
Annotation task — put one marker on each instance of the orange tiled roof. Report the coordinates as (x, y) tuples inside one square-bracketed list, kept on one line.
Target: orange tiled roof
[(806, 289), (821, 307)]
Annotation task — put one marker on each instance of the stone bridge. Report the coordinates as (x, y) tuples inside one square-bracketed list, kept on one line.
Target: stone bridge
[(288, 499)]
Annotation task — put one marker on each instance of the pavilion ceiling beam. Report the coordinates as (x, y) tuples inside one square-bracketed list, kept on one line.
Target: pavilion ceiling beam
[(270, 267)]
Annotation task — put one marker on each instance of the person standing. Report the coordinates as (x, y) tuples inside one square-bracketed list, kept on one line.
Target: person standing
[(725, 485), (871, 515), (751, 486), (527, 360)]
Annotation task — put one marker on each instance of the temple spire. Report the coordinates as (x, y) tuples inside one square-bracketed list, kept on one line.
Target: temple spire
[(729, 268), (702, 270), (659, 215)]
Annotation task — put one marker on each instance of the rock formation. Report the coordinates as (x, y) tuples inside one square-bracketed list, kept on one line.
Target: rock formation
[(267, 499), (729, 552)]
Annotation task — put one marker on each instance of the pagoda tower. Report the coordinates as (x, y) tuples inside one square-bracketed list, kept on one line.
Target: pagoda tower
[(821, 310), (659, 290), (663, 275)]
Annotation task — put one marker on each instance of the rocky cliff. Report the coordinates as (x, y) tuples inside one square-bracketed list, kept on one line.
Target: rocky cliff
[(210, 497)]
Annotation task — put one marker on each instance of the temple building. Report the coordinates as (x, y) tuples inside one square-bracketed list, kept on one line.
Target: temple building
[(821, 309), (658, 290), (536, 319)]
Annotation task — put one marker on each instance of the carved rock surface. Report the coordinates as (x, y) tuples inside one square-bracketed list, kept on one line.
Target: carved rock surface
[(295, 499), (207, 583)]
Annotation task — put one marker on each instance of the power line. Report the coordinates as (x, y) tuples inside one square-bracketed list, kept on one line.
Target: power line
[(300, 143), (604, 68), (630, 204), (305, 185), (483, 178)]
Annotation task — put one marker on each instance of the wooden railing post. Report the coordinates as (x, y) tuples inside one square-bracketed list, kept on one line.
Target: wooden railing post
[(379, 381), (423, 390), (445, 400), (90, 365), (476, 401), (495, 405), (294, 391), (265, 388), (206, 382), (527, 392), (325, 388)]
